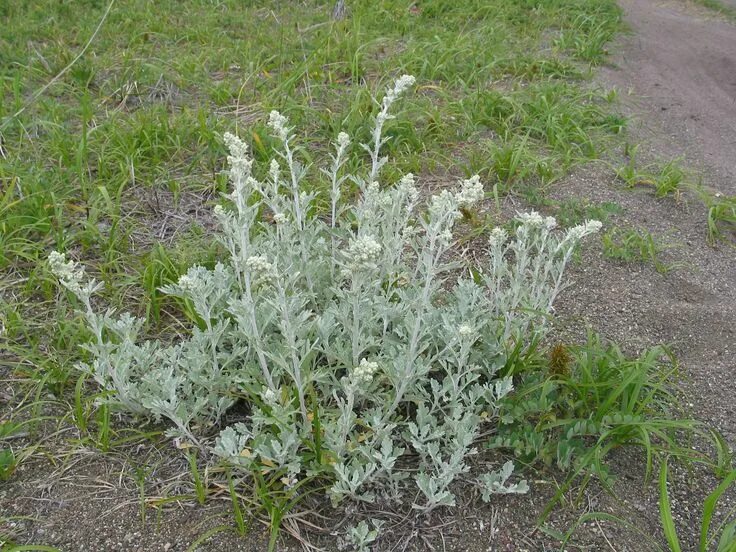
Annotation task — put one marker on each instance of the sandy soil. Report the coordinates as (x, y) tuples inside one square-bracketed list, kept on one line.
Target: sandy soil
[(680, 68), (680, 65), (677, 73)]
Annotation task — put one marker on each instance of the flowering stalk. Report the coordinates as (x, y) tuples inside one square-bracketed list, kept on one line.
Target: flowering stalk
[(392, 94)]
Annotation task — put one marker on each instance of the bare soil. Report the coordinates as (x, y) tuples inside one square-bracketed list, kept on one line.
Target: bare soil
[(680, 65)]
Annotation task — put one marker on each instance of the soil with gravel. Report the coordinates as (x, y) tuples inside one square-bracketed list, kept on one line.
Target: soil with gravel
[(680, 67), (679, 63)]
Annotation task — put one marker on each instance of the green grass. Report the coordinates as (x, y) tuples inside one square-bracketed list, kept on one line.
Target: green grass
[(574, 406), (670, 179), (635, 246), (721, 216), (718, 537), (719, 7)]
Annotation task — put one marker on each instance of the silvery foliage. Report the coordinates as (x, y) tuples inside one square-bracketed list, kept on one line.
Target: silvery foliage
[(354, 320), (359, 538)]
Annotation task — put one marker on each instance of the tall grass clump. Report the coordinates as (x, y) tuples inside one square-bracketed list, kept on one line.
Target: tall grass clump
[(338, 347)]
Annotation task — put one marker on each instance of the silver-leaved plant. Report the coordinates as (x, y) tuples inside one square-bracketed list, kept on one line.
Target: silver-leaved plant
[(360, 353)]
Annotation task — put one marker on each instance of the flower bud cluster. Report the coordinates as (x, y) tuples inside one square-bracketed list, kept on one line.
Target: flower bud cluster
[(240, 164), (278, 123), (364, 252), (68, 271), (471, 192), (187, 283), (263, 270), (343, 140), (443, 203), (532, 218), (408, 184), (403, 83), (465, 331), (269, 396), (364, 372), (498, 237), (582, 230)]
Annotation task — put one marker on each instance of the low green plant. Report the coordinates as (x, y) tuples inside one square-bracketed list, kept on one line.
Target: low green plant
[(724, 536), (721, 215), (8, 463), (581, 402), (513, 160), (635, 246), (241, 525), (718, 6), (349, 337), (587, 38), (360, 537), (11, 429), (669, 180), (573, 211), (720, 539), (200, 486)]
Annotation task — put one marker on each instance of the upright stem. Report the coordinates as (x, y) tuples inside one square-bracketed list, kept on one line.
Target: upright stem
[(256, 333), (295, 361), (294, 185)]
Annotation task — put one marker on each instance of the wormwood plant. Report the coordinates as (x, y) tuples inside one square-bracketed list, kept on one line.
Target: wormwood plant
[(362, 361)]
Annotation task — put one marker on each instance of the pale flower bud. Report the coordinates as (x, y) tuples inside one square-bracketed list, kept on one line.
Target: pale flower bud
[(498, 237), (363, 373), (471, 192), (343, 140), (278, 124), (364, 252)]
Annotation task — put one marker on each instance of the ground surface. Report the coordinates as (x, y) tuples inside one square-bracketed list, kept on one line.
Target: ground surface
[(680, 65), (678, 73), (678, 70)]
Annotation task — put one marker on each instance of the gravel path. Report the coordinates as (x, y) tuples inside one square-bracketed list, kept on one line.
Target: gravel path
[(677, 75), (681, 63)]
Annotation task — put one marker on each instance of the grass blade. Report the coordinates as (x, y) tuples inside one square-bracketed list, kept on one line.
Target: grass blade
[(709, 507), (665, 512)]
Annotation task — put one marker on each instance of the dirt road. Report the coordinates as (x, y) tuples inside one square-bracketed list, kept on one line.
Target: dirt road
[(677, 75), (681, 63)]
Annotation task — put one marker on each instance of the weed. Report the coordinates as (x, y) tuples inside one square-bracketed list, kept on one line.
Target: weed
[(240, 523), (200, 488), (718, 6), (8, 463), (574, 211), (725, 533), (721, 215), (635, 246), (669, 180), (587, 400), (587, 38), (303, 323), (721, 539)]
